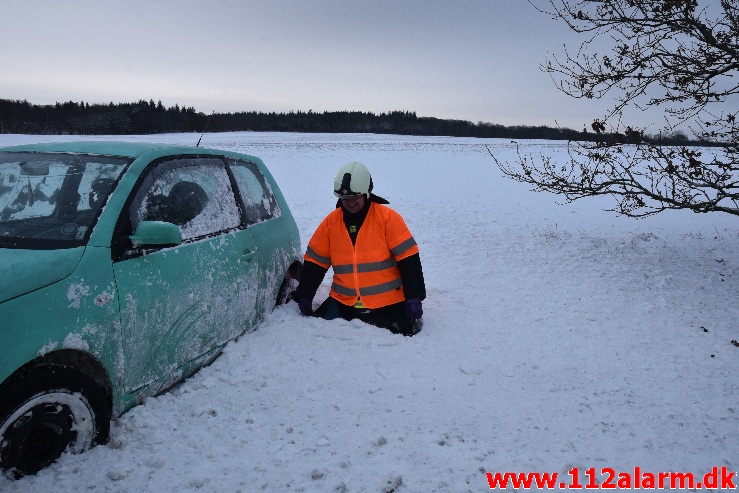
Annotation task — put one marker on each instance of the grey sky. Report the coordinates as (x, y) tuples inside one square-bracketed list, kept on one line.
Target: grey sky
[(475, 60)]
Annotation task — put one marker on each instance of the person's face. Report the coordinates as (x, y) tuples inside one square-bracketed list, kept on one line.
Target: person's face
[(353, 204)]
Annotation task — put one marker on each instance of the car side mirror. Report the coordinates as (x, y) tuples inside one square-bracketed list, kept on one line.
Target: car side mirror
[(156, 233)]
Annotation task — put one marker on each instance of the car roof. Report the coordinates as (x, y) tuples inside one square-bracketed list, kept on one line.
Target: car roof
[(124, 149)]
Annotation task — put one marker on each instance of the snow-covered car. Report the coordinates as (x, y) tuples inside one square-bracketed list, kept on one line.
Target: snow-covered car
[(125, 267)]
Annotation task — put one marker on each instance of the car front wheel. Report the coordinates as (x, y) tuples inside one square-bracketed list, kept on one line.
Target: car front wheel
[(49, 411)]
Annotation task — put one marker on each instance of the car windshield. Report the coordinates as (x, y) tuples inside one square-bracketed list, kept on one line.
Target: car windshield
[(52, 200)]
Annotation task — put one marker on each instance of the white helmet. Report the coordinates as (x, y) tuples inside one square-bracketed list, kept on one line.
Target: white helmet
[(353, 179)]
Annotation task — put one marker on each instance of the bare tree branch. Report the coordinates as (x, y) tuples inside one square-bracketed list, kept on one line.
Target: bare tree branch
[(680, 56)]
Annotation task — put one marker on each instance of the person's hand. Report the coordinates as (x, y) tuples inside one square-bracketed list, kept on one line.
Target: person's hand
[(414, 308), (306, 306)]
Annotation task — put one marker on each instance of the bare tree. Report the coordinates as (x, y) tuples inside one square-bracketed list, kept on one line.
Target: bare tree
[(677, 56)]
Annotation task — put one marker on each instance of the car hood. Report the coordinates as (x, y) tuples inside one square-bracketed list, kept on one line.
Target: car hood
[(23, 271)]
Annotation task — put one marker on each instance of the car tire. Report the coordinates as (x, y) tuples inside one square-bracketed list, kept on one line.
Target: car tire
[(289, 284), (287, 289), (49, 411)]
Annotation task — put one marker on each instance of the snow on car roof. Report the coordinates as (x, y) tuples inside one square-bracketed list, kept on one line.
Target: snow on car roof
[(113, 148)]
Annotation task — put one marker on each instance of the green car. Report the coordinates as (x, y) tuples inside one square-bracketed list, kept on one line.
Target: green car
[(124, 268)]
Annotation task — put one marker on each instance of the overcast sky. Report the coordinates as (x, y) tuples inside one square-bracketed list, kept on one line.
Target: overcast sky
[(475, 60)]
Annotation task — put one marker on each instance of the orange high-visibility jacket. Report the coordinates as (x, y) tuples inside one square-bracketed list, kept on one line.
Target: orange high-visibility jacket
[(367, 270)]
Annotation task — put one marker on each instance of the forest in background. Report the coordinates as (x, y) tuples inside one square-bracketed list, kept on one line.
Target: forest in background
[(142, 117)]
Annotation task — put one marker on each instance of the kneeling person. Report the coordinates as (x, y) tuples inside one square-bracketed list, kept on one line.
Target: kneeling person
[(377, 267)]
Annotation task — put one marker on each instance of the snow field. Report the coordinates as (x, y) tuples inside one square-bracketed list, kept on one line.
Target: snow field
[(555, 336)]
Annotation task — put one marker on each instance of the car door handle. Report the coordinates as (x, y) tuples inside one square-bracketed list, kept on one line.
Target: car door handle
[(248, 255)]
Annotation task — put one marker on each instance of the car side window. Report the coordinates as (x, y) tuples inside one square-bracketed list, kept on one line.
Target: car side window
[(193, 193), (258, 200)]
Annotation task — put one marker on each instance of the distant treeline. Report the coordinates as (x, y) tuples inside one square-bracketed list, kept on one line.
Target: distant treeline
[(149, 117)]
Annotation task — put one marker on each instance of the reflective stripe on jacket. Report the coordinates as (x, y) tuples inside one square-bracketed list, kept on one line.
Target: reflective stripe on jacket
[(367, 270)]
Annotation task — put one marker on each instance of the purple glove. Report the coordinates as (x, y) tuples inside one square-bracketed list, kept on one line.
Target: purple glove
[(413, 308), (306, 307)]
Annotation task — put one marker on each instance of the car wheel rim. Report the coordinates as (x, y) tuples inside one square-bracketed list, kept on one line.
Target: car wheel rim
[(39, 431)]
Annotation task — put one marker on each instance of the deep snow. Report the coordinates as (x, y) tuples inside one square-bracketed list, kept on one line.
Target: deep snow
[(555, 337)]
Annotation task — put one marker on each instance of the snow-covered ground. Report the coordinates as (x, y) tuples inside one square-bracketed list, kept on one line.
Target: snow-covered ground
[(555, 337)]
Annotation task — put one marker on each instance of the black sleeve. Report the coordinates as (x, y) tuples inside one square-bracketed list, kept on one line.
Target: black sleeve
[(311, 278), (411, 274)]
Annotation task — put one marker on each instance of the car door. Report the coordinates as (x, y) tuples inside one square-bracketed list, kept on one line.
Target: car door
[(179, 302), (260, 207)]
